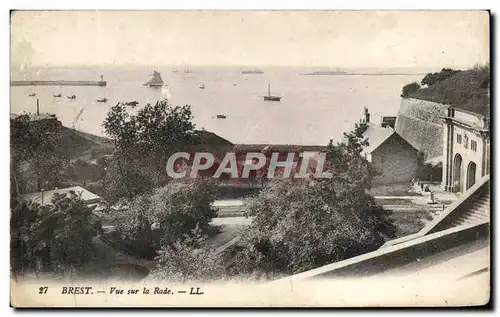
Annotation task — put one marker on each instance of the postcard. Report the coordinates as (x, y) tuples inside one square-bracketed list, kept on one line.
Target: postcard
[(250, 158)]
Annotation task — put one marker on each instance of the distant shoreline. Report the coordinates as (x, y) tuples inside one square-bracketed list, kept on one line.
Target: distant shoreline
[(358, 74)]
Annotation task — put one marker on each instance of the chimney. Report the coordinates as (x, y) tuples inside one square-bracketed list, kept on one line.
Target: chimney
[(367, 116), (37, 108)]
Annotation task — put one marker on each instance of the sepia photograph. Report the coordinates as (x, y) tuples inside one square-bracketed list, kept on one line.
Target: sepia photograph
[(216, 158)]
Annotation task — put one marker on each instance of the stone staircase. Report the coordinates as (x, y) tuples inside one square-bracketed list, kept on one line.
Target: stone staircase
[(471, 209), (478, 213)]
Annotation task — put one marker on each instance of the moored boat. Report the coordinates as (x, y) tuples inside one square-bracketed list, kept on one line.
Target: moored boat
[(71, 97), (270, 97), (57, 96), (132, 103), (32, 95), (221, 116), (102, 100)]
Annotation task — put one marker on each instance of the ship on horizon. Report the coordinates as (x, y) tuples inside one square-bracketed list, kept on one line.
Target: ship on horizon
[(252, 71), (327, 72), (155, 81)]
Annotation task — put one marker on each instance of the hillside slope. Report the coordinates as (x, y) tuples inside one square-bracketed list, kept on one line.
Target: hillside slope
[(468, 90)]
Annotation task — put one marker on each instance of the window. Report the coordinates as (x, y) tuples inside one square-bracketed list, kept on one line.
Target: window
[(473, 146), (459, 138)]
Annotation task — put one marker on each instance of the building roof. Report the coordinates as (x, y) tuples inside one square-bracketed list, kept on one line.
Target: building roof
[(86, 195), (376, 136), (243, 148)]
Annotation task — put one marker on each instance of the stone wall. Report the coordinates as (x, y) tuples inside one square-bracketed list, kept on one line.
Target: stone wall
[(419, 123)]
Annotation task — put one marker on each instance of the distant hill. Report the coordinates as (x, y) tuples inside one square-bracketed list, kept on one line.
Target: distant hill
[(468, 90)]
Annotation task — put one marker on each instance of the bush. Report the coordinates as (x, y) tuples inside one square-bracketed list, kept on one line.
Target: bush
[(434, 78), (185, 260), (57, 236), (148, 222), (410, 89)]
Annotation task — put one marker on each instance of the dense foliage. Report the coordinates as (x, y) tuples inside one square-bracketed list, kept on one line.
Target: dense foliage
[(410, 89), (188, 260), (53, 237), (151, 221), (143, 143), (467, 89), (434, 78), (37, 156), (302, 226)]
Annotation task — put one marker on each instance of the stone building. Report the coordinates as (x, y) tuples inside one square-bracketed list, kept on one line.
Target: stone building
[(394, 158), (466, 149)]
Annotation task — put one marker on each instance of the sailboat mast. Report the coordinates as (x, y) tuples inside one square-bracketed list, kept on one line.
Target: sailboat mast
[(269, 89)]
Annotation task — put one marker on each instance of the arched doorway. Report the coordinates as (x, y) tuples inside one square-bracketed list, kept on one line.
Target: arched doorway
[(457, 171), (471, 175)]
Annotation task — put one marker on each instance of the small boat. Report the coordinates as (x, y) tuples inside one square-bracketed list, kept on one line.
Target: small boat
[(57, 96), (234, 85), (155, 81), (102, 100), (201, 86), (269, 97), (71, 97), (132, 103), (32, 95), (221, 116)]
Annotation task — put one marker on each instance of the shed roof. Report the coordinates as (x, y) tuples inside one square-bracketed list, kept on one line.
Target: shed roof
[(376, 135), (86, 195)]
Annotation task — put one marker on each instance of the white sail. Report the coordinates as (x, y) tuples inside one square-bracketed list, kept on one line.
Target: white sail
[(155, 81)]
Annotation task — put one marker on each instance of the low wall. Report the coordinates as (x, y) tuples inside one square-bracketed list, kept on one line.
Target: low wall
[(419, 123)]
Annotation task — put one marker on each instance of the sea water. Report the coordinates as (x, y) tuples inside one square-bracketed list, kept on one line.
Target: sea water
[(313, 108)]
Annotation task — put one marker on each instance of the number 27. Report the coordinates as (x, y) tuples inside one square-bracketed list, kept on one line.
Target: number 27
[(43, 290)]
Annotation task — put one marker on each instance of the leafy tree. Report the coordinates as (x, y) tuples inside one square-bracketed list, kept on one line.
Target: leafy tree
[(36, 149), (434, 78), (143, 142), (22, 251), (429, 79), (336, 217), (55, 236), (410, 89), (148, 222)]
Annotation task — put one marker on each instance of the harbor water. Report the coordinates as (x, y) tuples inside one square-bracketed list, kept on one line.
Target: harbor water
[(313, 108)]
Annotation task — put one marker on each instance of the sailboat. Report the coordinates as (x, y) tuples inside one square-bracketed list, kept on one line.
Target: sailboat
[(155, 81), (269, 97)]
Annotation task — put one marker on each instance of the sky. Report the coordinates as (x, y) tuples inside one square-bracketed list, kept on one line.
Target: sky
[(424, 39)]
